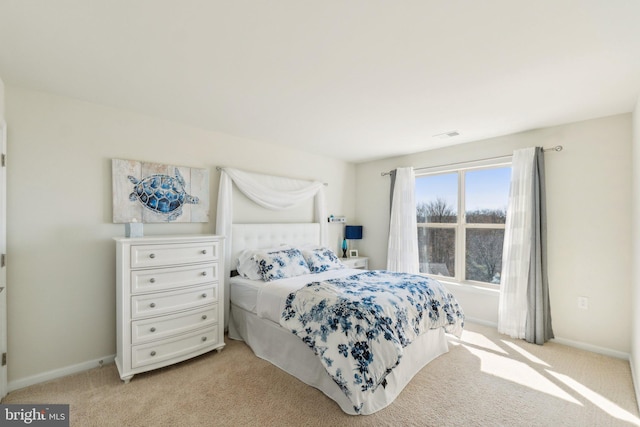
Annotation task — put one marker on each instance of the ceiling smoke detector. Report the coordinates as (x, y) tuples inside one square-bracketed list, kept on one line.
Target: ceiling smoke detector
[(446, 135)]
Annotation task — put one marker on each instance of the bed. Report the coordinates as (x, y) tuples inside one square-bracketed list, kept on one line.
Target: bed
[(267, 316)]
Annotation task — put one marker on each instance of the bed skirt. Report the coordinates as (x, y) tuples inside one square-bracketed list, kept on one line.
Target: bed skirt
[(271, 342)]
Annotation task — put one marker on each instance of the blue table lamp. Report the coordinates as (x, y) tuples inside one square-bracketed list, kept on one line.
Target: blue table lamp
[(351, 232)]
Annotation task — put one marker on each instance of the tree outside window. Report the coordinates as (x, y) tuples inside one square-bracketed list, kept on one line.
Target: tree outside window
[(467, 247)]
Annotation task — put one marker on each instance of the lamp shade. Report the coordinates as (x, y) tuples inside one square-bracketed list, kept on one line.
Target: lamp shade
[(353, 232)]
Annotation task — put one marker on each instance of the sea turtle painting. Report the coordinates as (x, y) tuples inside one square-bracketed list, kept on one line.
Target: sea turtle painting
[(162, 194)]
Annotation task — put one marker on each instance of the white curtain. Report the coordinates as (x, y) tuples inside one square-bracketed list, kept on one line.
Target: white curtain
[(270, 192), (512, 313), (402, 253), (524, 295)]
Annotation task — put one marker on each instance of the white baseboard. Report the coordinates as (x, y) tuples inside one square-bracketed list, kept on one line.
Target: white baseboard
[(481, 322), (592, 348), (569, 343), (59, 373)]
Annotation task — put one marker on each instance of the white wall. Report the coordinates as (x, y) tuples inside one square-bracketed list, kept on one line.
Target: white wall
[(61, 296), (588, 195), (635, 216), (1, 100)]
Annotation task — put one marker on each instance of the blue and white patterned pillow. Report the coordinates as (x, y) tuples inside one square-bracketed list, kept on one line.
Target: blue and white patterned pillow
[(281, 264), (248, 267), (322, 259)]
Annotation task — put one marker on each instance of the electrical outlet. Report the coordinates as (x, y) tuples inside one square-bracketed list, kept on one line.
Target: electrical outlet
[(583, 303)]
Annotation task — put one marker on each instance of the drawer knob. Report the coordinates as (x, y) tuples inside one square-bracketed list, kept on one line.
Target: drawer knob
[(204, 339), (204, 317), (152, 280), (152, 305), (204, 295), (204, 252), (152, 329), (152, 255), (153, 353), (204, 273)]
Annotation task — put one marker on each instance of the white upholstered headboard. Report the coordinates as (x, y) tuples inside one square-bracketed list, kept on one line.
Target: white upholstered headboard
[(255, 236)]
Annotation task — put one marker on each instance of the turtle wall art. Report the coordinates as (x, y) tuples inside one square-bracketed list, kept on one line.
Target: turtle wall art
[(151, 192)]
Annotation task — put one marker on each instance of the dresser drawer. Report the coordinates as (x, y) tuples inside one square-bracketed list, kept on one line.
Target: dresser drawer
[(168, 302), (162, 327), (174, 254), (164, 278), (360, 263), (160, 351)]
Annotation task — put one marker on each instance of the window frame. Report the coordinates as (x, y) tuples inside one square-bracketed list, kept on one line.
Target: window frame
[(461, 226)]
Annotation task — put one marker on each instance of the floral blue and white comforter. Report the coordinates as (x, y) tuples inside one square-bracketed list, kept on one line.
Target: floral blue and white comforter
[(359, 325)]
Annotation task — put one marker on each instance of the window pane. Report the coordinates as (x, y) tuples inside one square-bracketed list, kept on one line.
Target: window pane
[(437, 198), (436, 248), (487, 195), (484, 255)]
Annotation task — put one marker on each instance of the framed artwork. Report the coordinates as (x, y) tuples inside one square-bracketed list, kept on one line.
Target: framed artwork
[(151, 192), (353, 253)]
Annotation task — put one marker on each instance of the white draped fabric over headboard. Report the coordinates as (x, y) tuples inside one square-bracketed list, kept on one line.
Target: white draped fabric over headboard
[(270, 192)]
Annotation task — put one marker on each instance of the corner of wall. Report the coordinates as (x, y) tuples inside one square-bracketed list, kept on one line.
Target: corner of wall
[(634, 357)]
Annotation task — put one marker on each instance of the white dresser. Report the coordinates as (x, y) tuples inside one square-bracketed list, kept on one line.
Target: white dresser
[(168, 300)]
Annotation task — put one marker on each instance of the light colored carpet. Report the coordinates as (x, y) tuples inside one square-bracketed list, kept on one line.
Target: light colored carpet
[(486, 379)]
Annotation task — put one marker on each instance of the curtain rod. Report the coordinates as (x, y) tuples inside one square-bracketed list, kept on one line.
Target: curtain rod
[(219, 169), (556, 148)]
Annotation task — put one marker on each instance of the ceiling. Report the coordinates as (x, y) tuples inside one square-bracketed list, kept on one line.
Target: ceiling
[(352, 79)]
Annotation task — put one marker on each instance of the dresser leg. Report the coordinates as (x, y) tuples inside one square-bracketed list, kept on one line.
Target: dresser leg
[(126, 379)]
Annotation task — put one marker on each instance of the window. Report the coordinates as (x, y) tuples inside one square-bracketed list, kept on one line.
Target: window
[(461, 217)]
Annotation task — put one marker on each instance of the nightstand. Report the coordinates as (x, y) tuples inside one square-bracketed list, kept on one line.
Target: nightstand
[(361, 262)]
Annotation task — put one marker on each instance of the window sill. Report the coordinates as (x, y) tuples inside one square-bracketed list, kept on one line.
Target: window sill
[(466, 287)]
